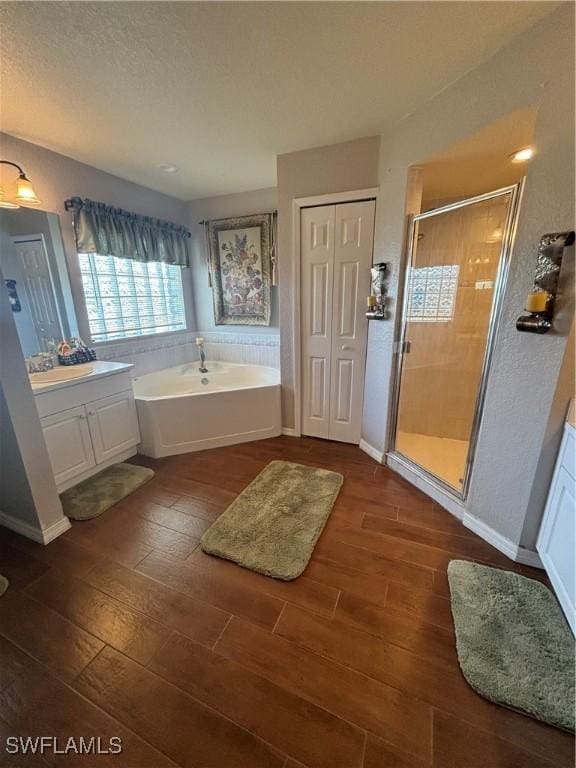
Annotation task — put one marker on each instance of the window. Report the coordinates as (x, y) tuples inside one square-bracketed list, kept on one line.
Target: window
[(432, 294), (127, 298)]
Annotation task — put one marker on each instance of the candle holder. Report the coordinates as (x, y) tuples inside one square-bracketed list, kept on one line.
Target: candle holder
[(376, 302), (540, 301)]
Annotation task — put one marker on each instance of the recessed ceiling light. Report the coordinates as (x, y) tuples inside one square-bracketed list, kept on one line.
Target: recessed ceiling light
[(168, 167), (522, 155)]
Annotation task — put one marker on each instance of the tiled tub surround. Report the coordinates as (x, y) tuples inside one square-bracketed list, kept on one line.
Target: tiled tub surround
[(156, 353)]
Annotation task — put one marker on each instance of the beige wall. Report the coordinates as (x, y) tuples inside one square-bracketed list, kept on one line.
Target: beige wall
[(319, 171), (223, 207)]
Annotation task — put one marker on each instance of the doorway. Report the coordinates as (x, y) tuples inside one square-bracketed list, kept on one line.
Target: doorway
[(456, 271), (336, 244)]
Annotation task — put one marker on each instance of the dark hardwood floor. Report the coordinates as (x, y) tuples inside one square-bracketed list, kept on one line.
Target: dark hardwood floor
[(123, 627)]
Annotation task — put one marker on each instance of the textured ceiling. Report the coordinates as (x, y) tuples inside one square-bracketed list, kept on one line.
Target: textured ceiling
[(220, 88)]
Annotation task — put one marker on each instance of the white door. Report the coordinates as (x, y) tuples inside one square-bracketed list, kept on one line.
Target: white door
[(113, 425), (38, 285), (336, 253), (69, 446), (317, 270), (557, 538)]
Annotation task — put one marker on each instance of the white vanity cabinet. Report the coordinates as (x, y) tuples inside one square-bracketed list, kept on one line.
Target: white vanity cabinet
[(557, 541), (88, 424)]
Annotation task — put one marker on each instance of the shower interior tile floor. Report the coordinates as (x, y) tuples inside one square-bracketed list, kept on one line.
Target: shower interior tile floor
[(123, 627), (442, 456)]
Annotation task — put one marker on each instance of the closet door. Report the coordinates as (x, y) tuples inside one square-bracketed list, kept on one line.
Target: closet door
[(353, 246), (317, 275)]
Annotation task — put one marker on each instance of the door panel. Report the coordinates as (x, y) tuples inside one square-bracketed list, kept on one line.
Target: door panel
[(68, 442), (113, 425), (317, 253), (343, 405), (39, 289), (353, 248)]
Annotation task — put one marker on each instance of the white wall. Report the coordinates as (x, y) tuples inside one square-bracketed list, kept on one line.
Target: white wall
[(534, 71)]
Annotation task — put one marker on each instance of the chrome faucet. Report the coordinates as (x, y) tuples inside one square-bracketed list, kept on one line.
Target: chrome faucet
[(200, 345), (45, 364)]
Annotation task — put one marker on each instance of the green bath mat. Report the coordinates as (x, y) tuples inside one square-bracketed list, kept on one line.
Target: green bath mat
[(3, 584), (273, 525), (97, 494), (514, 644)]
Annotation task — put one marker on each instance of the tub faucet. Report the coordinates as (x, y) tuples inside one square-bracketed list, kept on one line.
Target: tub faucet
[(200, 345)]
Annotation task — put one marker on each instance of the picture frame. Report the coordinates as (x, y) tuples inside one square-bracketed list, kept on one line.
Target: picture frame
[(240, 269)]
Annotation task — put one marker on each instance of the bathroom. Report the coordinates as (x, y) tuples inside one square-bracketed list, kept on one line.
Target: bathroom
[(448, 421)]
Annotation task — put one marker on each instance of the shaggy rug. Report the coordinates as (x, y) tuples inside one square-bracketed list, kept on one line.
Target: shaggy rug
[(275, 522), (97, 494), (514, 645)]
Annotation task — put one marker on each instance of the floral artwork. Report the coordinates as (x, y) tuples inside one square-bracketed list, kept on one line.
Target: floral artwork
[(240, 267)]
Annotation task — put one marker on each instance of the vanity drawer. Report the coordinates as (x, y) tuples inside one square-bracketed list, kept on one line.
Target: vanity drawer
[(80, 393)]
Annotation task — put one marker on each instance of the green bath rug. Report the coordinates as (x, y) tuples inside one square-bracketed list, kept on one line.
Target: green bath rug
[(91, 497), (274, 524), (3, 584), (514, 645)]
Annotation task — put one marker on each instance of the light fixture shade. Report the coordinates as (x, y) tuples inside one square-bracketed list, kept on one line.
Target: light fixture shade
[(522, 155), (25, 192), (4, 203)]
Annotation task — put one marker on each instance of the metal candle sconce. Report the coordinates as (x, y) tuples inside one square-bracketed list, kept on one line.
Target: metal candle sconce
[(376, 302), (540, 302)]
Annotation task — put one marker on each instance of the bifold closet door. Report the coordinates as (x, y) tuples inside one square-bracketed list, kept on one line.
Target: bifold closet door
[(317, 273), (336, 253)]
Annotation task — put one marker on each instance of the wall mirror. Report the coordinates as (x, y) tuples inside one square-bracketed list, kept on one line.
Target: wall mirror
[(35, 274)]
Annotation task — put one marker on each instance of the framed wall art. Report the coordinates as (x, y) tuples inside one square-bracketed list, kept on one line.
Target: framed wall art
[(240, 253)]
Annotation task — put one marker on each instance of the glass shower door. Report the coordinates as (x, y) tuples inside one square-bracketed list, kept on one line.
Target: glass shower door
[(455, 275)]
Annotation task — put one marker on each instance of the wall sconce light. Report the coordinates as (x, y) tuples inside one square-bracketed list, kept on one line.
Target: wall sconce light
[(25, 194), (540, 301), (376, 302)]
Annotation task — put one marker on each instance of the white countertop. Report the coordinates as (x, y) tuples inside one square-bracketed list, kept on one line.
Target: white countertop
[(91, 371)]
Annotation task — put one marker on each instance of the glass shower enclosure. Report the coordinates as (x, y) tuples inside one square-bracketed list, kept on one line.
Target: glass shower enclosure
[(455, 275)]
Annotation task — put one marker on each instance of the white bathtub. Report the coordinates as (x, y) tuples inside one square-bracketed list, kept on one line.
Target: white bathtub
[(182, 410)]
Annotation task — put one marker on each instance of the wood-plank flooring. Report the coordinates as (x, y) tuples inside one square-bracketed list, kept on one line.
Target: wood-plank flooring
[(124, 627)]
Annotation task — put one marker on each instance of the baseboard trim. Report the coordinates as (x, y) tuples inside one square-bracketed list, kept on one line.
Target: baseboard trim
[(290, 432), (529, 557), (501, 543), (371, 451), (56, 529), (39, 535)]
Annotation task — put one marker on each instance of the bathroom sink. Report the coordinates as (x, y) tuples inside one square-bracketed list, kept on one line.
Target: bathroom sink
[(61, 373)]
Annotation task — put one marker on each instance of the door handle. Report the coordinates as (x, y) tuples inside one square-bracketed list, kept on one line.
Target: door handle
[(345, 347)]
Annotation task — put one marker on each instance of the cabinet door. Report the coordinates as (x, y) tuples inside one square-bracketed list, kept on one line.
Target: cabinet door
[(113, 425), (557, 541), (68, 442)]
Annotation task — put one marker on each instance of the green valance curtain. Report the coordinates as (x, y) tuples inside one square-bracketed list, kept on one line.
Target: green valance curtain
[(109, 231)]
